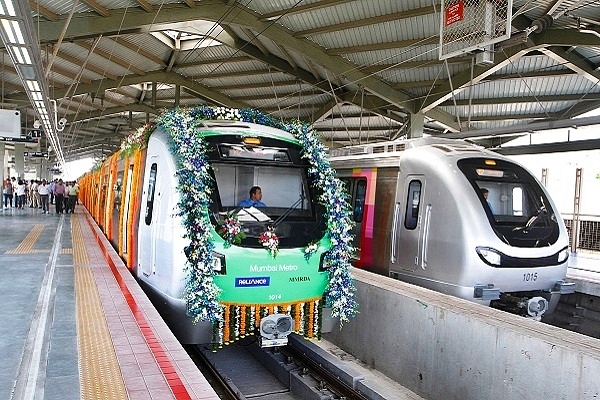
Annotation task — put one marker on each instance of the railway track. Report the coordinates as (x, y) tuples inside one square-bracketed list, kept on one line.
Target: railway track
[(298, 371), (577, 312)]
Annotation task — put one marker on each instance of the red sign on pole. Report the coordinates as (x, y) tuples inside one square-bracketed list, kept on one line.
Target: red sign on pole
[(454, 13)]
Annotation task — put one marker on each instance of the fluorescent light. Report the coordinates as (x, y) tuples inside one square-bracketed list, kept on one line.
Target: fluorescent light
[(13, 31), (26, 55), (10, 8), (17, 54), (21, 54), (8, 30), (33, 85), (18, 33)]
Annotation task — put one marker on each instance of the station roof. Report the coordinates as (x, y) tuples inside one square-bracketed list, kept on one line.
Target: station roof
[(356, 70)]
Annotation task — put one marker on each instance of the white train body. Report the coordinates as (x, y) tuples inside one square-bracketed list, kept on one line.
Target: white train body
[(161, 240), (421, 217)]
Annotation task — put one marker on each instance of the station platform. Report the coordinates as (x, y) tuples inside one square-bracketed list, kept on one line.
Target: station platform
[(584, 271), (75, 323)]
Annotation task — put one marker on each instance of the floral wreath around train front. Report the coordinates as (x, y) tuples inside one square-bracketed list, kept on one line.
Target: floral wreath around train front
[(195, 187)]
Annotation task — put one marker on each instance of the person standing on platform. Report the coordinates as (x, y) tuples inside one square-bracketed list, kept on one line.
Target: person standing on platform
[(15, 185), (34, 201), (66, 198), (73, 192), (59, 194), (51, 189), (21, 190), (44, 192), (7, 192)]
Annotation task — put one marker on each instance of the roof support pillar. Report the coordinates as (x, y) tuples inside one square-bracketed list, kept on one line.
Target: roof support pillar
[(20, 159), (44, 170), (415, 125), (4, 165), (153, 94)]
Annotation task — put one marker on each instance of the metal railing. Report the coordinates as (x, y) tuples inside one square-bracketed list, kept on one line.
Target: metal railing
[(587, 229)]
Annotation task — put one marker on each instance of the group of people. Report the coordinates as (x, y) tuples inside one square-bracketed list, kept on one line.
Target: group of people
[(40, 194)]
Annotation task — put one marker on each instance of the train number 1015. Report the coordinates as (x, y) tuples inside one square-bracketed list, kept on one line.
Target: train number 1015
[(530, 277)]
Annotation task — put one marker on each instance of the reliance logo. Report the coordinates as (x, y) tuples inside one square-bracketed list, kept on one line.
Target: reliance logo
[(252, 282)]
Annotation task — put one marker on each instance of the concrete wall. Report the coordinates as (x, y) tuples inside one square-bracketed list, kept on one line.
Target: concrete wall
[(442, 347)]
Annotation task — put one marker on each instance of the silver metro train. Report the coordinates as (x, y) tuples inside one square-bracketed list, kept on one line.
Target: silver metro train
[(455, 218)]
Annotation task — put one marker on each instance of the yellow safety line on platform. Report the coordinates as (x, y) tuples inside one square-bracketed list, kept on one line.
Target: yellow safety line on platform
[(26, 246), (80, 255), (99, 371)]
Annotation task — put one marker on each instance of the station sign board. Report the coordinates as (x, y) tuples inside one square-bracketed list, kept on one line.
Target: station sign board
[(10, 123), (35, 154), (18, 140)]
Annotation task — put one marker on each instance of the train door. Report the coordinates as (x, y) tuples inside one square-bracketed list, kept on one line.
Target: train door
[(411, 224), (127, 199), (147, 245), (117, 204), (357, 190)]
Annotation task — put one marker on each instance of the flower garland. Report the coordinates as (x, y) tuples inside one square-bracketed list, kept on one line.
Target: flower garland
[(310, 250), (340, 292), (270, 241), (195, 187), (136, 141), (230, 230)]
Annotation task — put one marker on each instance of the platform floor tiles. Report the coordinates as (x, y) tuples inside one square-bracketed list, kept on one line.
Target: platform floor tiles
[(75, 324)]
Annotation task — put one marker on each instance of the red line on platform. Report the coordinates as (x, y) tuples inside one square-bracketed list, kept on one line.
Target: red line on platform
[(177, 387)]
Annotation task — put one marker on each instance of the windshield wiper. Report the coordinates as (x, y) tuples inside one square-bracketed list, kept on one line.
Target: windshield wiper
[(288, 211), (532, 220)]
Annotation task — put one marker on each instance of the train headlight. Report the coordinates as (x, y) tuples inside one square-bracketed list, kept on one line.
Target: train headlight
[(563, 255), (489, 255), (274, 330), (219, 265), (323, 262)]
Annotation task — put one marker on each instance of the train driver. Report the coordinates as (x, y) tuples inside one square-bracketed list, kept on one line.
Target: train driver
[(255, 198), (485, 193)]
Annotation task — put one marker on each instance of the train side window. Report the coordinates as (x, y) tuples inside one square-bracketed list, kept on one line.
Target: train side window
[(151, 188), (517, 205), (413, 203), (358, 206)]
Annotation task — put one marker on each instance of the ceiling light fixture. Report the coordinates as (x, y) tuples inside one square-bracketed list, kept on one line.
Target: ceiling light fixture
[(20, 41)]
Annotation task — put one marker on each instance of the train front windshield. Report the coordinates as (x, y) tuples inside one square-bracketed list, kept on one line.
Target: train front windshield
[(514, 201), (288, 198)]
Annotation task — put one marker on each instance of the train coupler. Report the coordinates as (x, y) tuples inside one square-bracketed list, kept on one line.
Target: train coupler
[(486, 292)]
